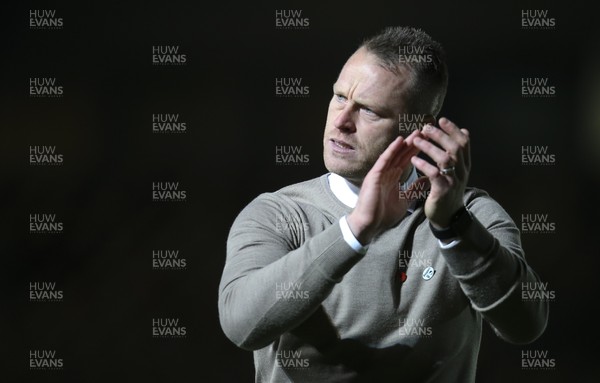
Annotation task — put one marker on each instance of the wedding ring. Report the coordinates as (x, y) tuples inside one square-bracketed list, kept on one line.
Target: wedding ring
[(447, 171)]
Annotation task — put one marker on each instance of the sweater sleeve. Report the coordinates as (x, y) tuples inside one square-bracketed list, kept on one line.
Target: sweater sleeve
[(276, 274), (490, 266)]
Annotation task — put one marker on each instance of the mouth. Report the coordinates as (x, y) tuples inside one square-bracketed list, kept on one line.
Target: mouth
[(341, 146)]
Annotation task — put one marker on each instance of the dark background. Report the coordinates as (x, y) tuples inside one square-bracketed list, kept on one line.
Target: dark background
[(225, 94)]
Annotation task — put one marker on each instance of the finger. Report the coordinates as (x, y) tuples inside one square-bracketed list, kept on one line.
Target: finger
[(425, 167), (398, 155), (453, 156), (442, 158), (412, 136), (441, 138), (401, 162), (407, 148), (410, 149), (467, 153), (389, 154), (452, 130), (456, 142), (404, 157)]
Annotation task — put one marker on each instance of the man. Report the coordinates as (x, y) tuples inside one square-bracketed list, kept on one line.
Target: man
[(346, 277)]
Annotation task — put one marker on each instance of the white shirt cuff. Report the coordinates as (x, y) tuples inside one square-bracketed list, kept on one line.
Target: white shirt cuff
[(449, 245), (350, 238)]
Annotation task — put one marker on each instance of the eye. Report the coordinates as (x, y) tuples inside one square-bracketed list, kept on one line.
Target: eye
[(340, 98), (369, 111)]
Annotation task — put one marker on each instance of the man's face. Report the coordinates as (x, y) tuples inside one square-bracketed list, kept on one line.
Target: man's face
[(362, 119)]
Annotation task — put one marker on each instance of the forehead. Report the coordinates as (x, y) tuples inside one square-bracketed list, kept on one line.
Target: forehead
[(365, 77)]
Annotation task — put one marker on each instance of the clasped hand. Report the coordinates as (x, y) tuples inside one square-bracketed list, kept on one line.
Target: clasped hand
[(380, 205)]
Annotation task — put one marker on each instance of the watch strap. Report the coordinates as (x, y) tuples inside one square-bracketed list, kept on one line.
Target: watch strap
[(458, 223)]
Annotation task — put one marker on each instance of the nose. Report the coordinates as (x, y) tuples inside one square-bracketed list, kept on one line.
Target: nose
[(345, 120)]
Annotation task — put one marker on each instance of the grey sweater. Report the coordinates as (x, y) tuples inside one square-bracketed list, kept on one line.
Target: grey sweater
[(314, 310)]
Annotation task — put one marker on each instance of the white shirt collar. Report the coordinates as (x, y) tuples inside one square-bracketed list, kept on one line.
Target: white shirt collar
[(347, 192), (344, 190)]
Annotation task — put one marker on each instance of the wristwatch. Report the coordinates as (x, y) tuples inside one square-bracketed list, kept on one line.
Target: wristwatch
[(458, 224)]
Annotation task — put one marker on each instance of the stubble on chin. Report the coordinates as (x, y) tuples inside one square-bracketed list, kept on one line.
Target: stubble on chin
[(354, 172)]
